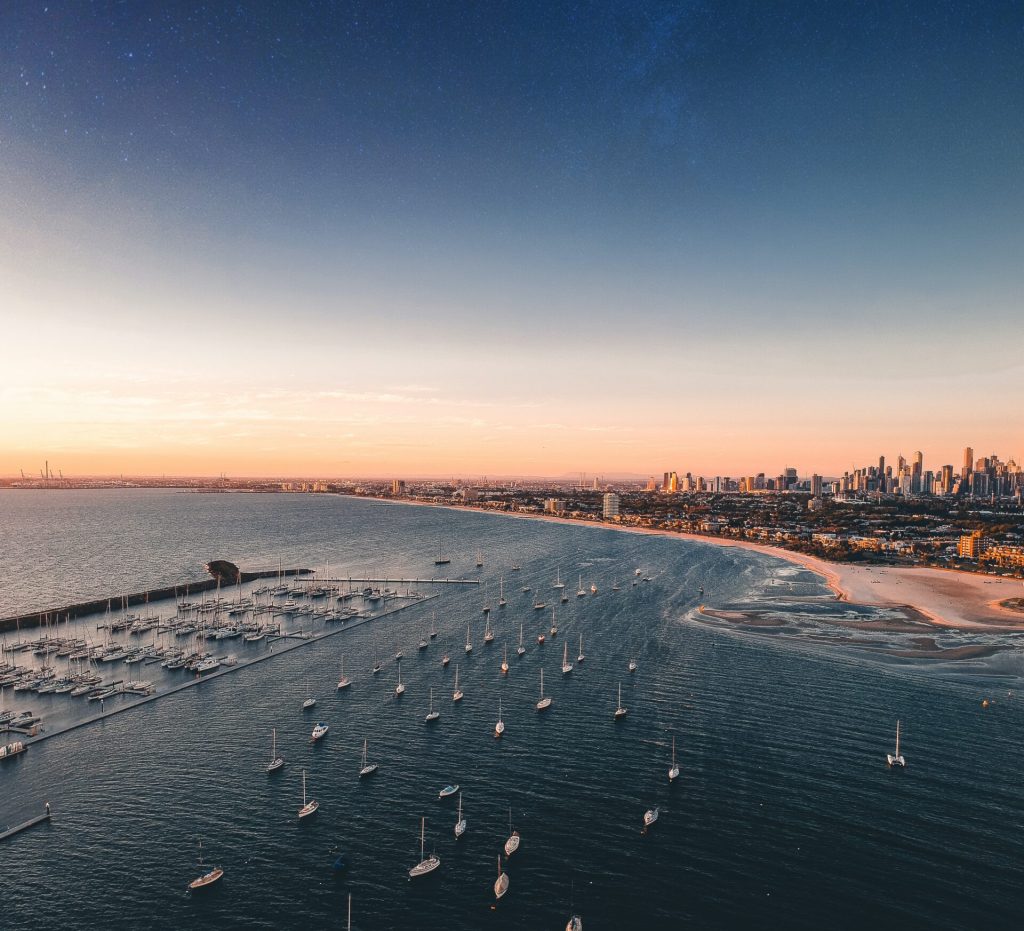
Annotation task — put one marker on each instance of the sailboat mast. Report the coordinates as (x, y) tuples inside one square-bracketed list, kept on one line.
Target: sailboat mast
[(897, 739)]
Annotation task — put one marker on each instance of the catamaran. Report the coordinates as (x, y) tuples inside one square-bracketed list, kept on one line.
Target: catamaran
[(673, 773), (566, 665), (205, 879), (896, 759), (520, 650), (499, 728), (460, 822), (512, 844), (308, 807), (544, 703), (620, 712), (457, 694), (426, 864), (344, 682), (581, 657), (368, 768), (432, 715), (501, 883), (400, 688), (504, 659)]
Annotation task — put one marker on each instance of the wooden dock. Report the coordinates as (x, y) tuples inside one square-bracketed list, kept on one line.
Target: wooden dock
[(24, 826)]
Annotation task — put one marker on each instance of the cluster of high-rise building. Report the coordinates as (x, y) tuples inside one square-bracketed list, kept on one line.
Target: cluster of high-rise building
[(985, 477)]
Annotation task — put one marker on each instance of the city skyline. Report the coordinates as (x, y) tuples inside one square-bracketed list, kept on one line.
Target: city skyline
[(361, 239)]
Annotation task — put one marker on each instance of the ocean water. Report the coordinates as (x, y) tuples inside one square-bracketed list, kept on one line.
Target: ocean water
[(785, 814)]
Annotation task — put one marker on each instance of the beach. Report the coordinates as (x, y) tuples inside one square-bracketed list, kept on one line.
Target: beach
[(944, 597)]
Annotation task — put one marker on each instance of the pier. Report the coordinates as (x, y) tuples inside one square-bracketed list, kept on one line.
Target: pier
[(25, 825), (395, 581)]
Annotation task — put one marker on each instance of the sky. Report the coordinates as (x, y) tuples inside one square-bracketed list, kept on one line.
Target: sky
[(537, 238)]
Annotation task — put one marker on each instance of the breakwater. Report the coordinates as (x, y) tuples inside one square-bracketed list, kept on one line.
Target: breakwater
[(98, 605)]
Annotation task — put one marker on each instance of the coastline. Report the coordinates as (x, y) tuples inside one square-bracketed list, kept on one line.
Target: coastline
[(944, 597)]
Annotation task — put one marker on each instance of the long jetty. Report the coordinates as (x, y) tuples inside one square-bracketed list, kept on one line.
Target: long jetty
[(25, 825), (98, 605)]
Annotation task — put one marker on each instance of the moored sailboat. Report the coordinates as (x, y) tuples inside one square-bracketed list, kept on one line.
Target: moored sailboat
[(620, 712), (896, 759), (205, 879), (308, 807), (368, 769), (276, 762), (460, 822), (457, 693), (501, 883), (426, 864), (512, 844), (544, 703), (673, 772)]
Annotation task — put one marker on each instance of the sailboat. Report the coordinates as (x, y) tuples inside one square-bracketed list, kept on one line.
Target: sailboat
[(479, 559), (566, 665), (650, 816), (620, 712), (538, 604), (441, 559), (432, 715), (558, 583), (488, 633), (554, 624), (426, 864), (574, 924), (520, 650), (376, 660), (469, 642), (433, 625), (504, 659), (544, 703), (205, 879), (582, 656), (460, 823), (310, 701), (896, 759), (580, 593), (368, 768), (673, 773), (457, 694), (446, 659), (512, 844), (400, 688), (632, 664), (422, 645), (501, 883), (344, 682), (501, 593), (499, 728), (308, 807), (276, 762)]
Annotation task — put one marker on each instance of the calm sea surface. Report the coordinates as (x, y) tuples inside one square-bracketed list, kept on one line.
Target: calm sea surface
[(785, 814)]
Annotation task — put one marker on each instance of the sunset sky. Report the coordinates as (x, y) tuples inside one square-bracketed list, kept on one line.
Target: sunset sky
[(509, 238)]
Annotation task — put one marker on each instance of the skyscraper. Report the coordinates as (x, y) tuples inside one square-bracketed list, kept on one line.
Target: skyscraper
[(610, 507), (968, 462)]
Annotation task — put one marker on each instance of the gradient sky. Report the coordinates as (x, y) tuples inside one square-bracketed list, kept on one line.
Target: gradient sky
[(529, 237)]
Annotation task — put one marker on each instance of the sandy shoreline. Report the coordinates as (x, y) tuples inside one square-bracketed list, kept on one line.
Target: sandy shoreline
[(945, 597)]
